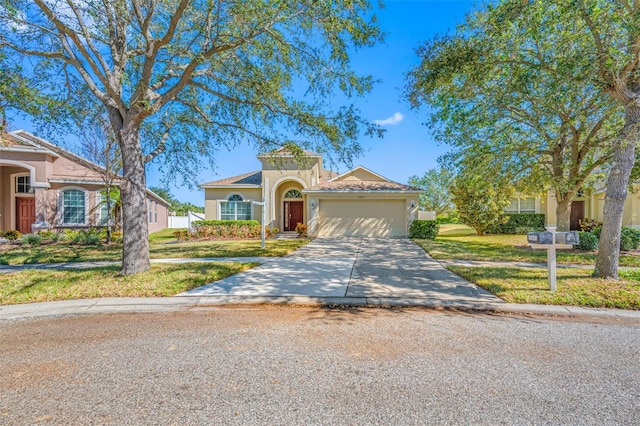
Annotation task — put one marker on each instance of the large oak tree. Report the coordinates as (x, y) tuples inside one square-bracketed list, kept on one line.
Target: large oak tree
[(502, 94), (183, 77)]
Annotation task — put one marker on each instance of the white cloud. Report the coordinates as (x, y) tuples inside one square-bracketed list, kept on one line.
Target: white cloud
[(394, 119)]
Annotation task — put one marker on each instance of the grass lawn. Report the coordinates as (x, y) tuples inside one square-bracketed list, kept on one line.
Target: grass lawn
[(162, 280), (461, 242), (160, 247), (574, 287)]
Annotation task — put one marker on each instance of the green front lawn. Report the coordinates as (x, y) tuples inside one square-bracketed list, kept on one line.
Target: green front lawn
[(161, 281), (61, 252), (460, 242), (575, 287)]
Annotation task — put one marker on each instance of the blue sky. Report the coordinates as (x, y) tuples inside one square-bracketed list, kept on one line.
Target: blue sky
[(407, 147)]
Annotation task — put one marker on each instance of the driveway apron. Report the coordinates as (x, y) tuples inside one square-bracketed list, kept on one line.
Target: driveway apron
[(400, 268), (353, 268)]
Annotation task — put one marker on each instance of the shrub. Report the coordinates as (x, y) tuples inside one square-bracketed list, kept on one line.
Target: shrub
[(199, 223), (182, 235), (47, 235), (519, 223), (84, 238), (31, 239), (117, 237), (589, 225), (588, 241), (12, 235), (301, 229), (425, 229), (271, 232), (629, 239)]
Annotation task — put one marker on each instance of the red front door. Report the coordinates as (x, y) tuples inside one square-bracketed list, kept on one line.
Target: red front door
[(25, 214), (293, 214)]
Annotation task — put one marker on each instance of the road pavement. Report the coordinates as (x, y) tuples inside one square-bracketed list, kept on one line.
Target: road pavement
[(283, 365)]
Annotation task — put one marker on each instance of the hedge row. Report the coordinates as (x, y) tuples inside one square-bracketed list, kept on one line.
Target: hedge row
[(200, 223), (425, 229), (519, 223)]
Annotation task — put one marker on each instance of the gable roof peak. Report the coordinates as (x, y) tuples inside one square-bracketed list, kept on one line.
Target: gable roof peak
[(355, 169)]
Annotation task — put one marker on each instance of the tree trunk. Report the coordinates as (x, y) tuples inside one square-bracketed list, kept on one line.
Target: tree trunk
[(563, 214), (135, 255), (617, 182)]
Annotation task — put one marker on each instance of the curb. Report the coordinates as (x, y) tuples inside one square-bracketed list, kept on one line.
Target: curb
[(191, 303)]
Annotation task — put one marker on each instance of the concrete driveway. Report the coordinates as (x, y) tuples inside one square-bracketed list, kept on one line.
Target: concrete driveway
[(352, 268)]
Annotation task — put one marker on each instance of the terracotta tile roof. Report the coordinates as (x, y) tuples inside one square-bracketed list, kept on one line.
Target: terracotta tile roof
[(8, 140), (251, 178), (362, 185), (326, 175)]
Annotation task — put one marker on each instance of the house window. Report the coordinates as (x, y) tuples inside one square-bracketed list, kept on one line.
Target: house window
[(235, 208), (521, 205), (104, 212), (155, 212), (150, 209), (73, 207), (293, 193), (23, 184)]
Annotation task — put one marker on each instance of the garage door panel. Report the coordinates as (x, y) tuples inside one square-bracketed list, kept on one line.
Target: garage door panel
[(362, 218)]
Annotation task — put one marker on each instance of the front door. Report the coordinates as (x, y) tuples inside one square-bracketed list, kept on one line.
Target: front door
[(577, 214), (293, 214), (25, 214)]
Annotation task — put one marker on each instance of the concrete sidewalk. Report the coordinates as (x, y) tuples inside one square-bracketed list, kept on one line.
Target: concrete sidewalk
[(365, 272)]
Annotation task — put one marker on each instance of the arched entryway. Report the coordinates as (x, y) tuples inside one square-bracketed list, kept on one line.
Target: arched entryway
[(293, 209), (290, 208)]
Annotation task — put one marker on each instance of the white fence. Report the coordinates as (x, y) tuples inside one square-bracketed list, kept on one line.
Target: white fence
[(184, 221), (422, 215)]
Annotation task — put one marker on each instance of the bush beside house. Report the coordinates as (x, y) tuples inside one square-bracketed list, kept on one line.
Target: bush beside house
[(519, 223), (224, 230), (424, 229)]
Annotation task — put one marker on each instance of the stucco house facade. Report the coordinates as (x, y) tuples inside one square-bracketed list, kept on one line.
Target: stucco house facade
[(43, 186), (589, 204), (359, 202)]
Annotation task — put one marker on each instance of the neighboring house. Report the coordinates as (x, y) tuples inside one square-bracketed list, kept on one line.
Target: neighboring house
[(589, 204), (43, 186), (356, 203)]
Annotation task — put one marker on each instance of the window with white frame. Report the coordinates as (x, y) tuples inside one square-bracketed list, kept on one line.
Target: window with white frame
[(23, 184), (235, 208), (104, 212), (155, 212), (521, 205), (150, 204), (73, 207)]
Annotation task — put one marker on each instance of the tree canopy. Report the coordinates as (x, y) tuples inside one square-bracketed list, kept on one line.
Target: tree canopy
[(436, 196), (184, 78), (502, 93)]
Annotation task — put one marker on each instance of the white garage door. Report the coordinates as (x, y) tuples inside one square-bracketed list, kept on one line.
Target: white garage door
[(369, 218)]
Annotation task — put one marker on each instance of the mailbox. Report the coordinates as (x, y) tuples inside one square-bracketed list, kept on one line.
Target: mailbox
[(540, 237), (571, 238)]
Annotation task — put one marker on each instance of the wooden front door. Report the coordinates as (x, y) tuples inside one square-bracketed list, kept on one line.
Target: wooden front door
[(577, 213), (25, 214), (293, 214)]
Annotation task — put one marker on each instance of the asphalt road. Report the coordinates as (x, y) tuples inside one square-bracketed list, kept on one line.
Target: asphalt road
[(281, 365)]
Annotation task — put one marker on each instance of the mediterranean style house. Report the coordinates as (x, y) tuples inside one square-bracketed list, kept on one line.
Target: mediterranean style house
[(356, 203), (43, 186), (589, 204)]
